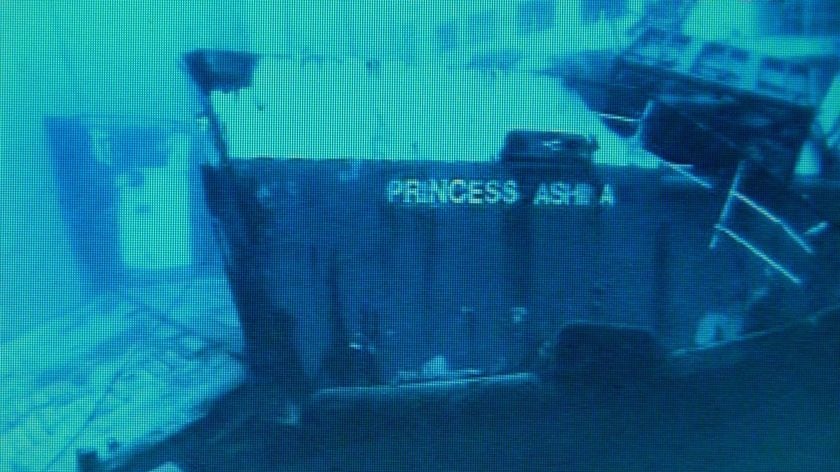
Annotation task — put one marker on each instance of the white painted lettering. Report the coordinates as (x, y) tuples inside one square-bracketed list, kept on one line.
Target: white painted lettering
[(583, 194), (456, 195), (411, 191), (394, 190), (438, 190), (542, 196), (561, 193), (510, 193), (491, 192), (493, 195), (607, 196), (476, 192), (423, 195)]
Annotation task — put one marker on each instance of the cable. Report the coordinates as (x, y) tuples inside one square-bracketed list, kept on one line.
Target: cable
[(162, 315), (92, 415)]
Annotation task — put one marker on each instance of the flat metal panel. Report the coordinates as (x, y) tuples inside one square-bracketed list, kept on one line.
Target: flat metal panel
[(477, 262)]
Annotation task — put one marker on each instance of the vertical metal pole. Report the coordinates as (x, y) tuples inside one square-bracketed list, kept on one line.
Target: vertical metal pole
[(727, 206)]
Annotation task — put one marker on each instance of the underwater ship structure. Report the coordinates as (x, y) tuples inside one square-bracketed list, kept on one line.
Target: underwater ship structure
[(404, 308)]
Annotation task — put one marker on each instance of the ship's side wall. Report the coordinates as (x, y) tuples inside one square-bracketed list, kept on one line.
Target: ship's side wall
[(479, 263)]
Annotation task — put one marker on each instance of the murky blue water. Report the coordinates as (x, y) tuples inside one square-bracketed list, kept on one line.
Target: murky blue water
[(428, 235)]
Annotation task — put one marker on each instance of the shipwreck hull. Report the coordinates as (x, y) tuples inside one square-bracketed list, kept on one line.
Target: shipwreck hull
[(765, 402), (480, 263), (526, 313), (705, 103), (767, 411)]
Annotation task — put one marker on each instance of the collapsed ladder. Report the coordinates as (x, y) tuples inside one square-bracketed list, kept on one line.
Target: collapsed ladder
[(742, 117), (762, 216), (760, 213)]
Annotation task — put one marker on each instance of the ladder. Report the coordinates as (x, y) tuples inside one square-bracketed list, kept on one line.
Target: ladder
[(770, 234), (777, 230)]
